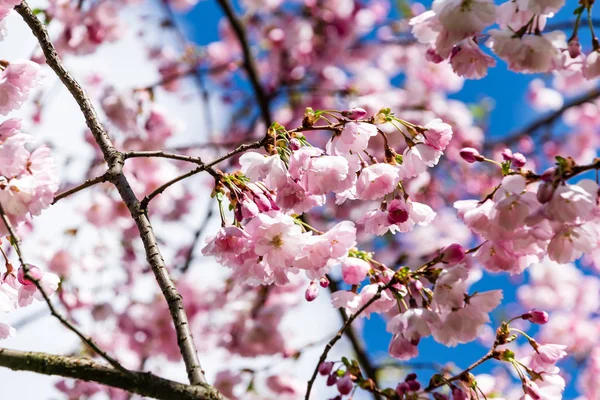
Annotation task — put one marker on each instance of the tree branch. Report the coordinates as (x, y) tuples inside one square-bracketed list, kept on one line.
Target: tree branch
[(115, 175), (544, 121), (361, 353), (249, 65), (142, 383), (340, 333), (84, 185)]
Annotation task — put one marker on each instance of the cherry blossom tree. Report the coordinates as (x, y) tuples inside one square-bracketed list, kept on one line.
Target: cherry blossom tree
[(337, 167)]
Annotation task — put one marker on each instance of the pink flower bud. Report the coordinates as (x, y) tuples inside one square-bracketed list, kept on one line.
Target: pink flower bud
[(325, 368), (34, 272), (410, 377), (470, 155), (402, 388), (331, 379), (574, 47), (453, 254), (295, 144), (355, 113), (312, 292), (414, 385), (262, 202), (345, 384), (324, 282), (545, 192), (537, 317), (432, 56), (458, 394), (507, 155), (531, 389), (549, 174), (519, 160)]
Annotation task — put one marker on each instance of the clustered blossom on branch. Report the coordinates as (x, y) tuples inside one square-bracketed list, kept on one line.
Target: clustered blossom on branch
[(453, 30), (28, 182)]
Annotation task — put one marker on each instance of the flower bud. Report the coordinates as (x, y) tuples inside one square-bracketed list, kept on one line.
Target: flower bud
[(262, 203), (355, 113), (324, 282), (507, 155), (295, 144), (531, 389), (458, 394), (414, 385), (34, 272), (537, 317), (345, 384), (470, 155), (545, 192), (331, 379), (402, 388), (325, 368), (549, 174), (312, 292), (519, 160), (453, 254), (410, 377)]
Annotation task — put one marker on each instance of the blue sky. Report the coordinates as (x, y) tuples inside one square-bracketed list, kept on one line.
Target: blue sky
[(510, 112)]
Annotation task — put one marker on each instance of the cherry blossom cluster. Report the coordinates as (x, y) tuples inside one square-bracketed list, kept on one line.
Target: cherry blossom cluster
[(453, 30), (28, 182), (522, 223)]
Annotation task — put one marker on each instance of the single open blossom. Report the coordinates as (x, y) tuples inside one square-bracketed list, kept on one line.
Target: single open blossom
[(469, 61), (463, 18), (16, 81), (377, 180), (353, 138), (438, 134), (591, 67), (541, 6), (276, 238), (354, 270), (327, 173), (270, 169), (28, 290), (528, 54)]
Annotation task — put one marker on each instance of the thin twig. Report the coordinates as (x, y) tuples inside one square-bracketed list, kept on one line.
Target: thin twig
[(85, 339), (202, 167), (361, 354), (340, 333), (84, 185), (249, 65)]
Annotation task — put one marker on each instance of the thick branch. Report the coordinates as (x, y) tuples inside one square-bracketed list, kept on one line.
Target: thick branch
[(144, 384), (544, 121), (249, 65), (115, 162)]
